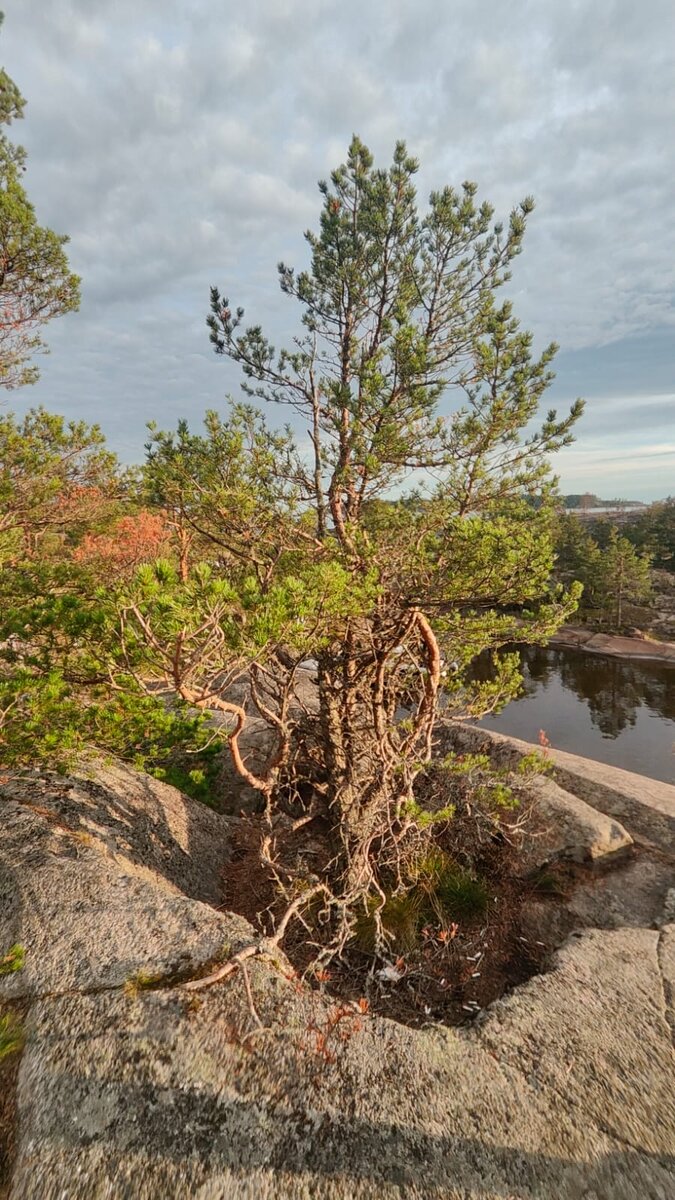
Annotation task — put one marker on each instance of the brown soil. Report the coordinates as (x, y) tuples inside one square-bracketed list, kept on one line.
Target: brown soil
[(452, 973)]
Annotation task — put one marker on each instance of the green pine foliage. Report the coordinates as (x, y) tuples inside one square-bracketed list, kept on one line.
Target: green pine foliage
[(653, 533), (400, 320), (416, 534), (36, 283), (624, 578), (51, 720), (67, 687), (612, 571)]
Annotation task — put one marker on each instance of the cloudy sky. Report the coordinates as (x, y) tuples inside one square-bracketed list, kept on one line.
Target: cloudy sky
[(179, 142)]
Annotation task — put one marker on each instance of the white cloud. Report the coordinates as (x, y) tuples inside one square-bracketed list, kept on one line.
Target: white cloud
[(179, 145)]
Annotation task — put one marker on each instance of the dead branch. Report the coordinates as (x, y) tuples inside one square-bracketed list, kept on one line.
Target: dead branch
[(264, 947)]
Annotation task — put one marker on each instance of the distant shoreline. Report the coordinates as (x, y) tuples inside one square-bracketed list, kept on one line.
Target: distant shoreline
[(640, 649)]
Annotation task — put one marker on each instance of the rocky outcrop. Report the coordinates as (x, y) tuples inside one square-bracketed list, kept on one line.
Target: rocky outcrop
[(565, 827), (89, 920), (149, 828), (645, 806), (614, 645), (130, 1087)]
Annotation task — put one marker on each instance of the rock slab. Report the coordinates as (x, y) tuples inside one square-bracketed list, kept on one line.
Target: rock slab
[(646, 807), (563, 1091), (571, 828)]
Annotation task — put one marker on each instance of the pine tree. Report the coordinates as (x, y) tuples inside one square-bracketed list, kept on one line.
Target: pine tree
[(53, 475), (578, 556), (653, 531), (36, 283), (399, 311), (623, 578), (415, 537)]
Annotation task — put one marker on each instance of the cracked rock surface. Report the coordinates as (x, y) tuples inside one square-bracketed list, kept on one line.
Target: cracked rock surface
[(564, 1090)]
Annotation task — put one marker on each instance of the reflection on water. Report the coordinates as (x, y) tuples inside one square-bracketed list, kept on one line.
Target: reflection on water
[(615, 711)]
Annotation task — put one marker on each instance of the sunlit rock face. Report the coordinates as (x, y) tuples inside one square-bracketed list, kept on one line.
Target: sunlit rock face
[(129, 1086)]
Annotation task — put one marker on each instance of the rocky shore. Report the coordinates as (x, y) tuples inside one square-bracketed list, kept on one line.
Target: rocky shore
[(614, 646)]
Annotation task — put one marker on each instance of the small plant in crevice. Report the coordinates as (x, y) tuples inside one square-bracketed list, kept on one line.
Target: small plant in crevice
[(338, 1026), (13, 960), (554, 881), (143, 981), (11, 1035), (547, 883), (396, 921), (439, 894), (535, 763), (461, 895)]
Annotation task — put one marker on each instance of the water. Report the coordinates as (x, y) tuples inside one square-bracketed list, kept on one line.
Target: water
[(613, 710)]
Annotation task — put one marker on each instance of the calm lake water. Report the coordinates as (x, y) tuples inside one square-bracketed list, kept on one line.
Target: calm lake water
[(609, 709)]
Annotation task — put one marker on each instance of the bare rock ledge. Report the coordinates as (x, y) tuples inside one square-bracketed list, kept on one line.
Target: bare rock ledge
[(645, 806), (563, 1091), (571, 828)]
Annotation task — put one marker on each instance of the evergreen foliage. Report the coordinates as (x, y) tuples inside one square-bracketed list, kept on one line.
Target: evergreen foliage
[(400, 320), (613, 573), (36, 283), (653, 533), (67, 516), (11, 1035), (624, 577), (417, 536)]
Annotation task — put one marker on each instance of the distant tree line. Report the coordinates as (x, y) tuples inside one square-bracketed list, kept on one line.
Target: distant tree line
[(588, 500), (614, 571)]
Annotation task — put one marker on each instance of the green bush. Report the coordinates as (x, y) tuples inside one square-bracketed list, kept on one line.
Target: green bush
[(441, 893), (48, 721)]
